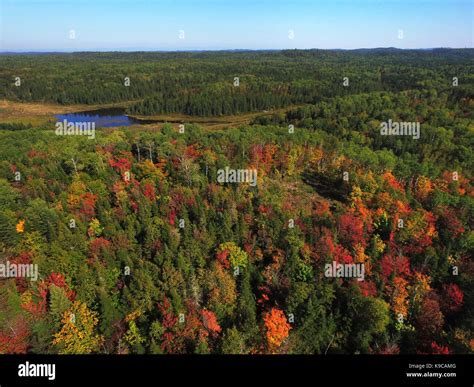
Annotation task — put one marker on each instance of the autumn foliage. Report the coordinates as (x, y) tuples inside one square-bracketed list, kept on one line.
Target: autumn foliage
[(276, 326)]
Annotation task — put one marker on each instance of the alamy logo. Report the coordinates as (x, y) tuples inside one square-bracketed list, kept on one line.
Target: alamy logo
[(65, 128), (229, 175), (19, 270), (393, 128), (345, 270), (37, 370)]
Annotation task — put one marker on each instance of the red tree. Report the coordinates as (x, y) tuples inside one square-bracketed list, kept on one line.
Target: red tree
[(14, 339), (351, 230), (451, 298), (210, 322)]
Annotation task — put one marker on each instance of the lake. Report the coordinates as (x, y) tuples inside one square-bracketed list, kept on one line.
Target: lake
[(104, 118)]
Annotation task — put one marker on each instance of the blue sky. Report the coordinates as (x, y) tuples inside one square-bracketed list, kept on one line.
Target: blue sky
[(45, 25)]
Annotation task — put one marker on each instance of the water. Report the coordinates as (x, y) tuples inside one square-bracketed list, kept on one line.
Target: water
[(103, 118)]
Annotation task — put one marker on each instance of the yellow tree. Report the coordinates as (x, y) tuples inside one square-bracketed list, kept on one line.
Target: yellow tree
[(400, 298), (231, 255), (423, 188), (132, 336), (20, 227), (77, 333)]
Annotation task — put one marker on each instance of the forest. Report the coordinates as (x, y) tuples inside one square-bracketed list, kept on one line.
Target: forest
[(227, 83), (141, 250)]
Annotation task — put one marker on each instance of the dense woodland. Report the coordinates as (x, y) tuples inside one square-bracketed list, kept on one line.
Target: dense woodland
[(202, 83), (161, 258)]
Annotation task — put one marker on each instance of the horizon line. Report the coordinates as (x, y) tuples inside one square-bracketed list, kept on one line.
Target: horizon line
[(132, 50)]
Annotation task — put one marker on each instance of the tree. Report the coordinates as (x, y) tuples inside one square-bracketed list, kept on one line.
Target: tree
[(14, 339), (429, 320), (221, 289), (77, 334), (451, 299), (373, 320), (59, 303), (351, 230), (20, 226), (231, 255), (277, 328), (233, 343), (132, 336), (400, 298), (317, 328)]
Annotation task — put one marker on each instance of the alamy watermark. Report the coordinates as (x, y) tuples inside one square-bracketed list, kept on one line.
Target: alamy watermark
[(229, 175), (37, 370), (345, 270), (393, 128), (65, 128), (19, 270)]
